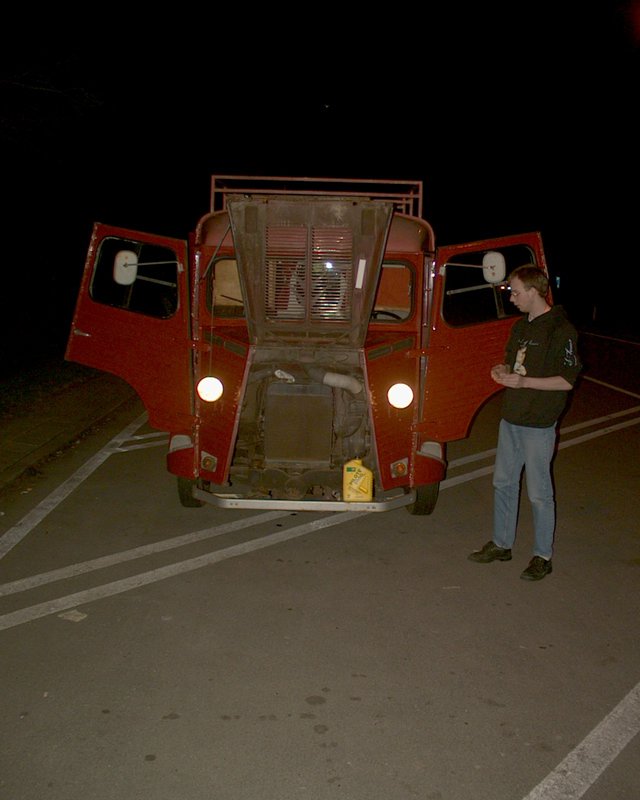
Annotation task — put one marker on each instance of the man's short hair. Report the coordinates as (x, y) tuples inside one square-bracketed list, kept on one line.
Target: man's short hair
[(531, 277)]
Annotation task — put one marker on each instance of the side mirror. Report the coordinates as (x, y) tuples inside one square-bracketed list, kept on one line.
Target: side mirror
[(494, 267), (125, 267)]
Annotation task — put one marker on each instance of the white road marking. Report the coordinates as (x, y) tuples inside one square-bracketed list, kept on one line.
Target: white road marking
[(11, 620), (24, 584), (457, 462), (615, 388), (16, 534), (577, 773)]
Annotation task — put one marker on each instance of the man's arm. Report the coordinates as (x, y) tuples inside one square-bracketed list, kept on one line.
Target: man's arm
[(556, 383)]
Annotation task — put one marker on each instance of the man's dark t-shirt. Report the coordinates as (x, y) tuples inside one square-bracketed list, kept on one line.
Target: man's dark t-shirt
[(542, 348)]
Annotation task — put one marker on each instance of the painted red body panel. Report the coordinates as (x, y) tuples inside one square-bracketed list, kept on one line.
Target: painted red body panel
[(138, 349)]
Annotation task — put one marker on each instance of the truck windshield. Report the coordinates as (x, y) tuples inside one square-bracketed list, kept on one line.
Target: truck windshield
[(393, 297)]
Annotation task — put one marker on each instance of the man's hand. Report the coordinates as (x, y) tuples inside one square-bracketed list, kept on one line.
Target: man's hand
[(502, 374), (498, 371)]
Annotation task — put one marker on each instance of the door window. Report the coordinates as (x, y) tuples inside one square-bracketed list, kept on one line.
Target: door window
[(470, 294), (151, 287)]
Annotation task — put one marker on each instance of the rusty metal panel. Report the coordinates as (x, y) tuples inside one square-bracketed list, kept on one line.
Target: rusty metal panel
[(309, 267), (298, 425)]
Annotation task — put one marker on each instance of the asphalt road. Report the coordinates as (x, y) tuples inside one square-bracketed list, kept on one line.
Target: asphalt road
[(154, 651)]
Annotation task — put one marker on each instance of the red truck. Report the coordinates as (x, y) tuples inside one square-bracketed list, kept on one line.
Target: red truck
[(308, 347)]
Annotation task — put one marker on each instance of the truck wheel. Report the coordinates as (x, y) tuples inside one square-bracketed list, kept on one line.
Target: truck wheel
[(185, 493), (426, 499)]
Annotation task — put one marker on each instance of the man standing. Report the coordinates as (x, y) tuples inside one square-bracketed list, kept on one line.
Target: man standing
[(541, 368)]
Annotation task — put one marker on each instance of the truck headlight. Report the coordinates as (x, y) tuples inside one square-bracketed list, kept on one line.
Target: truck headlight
[(400, 395), (210, 389)]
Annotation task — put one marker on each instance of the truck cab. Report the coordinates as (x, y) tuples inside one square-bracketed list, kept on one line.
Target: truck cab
[(306, 338)]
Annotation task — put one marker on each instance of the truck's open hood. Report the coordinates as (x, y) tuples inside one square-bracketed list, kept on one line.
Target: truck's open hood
[(309, 267)]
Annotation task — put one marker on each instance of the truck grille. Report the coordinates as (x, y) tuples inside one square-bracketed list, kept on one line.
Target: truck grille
[(301, 288)]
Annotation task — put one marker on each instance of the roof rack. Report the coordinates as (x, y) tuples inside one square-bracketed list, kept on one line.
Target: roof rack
[(405, 195)]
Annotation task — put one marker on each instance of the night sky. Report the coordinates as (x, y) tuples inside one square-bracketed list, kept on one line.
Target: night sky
[(515, 118)]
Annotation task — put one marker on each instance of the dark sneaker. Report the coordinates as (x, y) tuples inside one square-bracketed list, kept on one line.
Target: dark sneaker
[(490, 552), (537, 569)]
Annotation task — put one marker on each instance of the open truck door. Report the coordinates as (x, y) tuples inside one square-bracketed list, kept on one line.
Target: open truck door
[(471, 317), (132, 319)]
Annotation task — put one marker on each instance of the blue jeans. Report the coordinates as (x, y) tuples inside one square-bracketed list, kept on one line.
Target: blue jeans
[(531, 448)]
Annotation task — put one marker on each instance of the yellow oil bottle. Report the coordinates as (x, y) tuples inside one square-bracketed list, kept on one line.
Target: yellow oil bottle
[(357, 482)]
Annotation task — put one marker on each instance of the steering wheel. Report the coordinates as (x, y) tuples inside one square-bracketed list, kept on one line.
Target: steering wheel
[(381, 312)]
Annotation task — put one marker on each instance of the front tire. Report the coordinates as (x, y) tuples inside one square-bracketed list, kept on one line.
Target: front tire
[(426, 499), (185, 493)]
